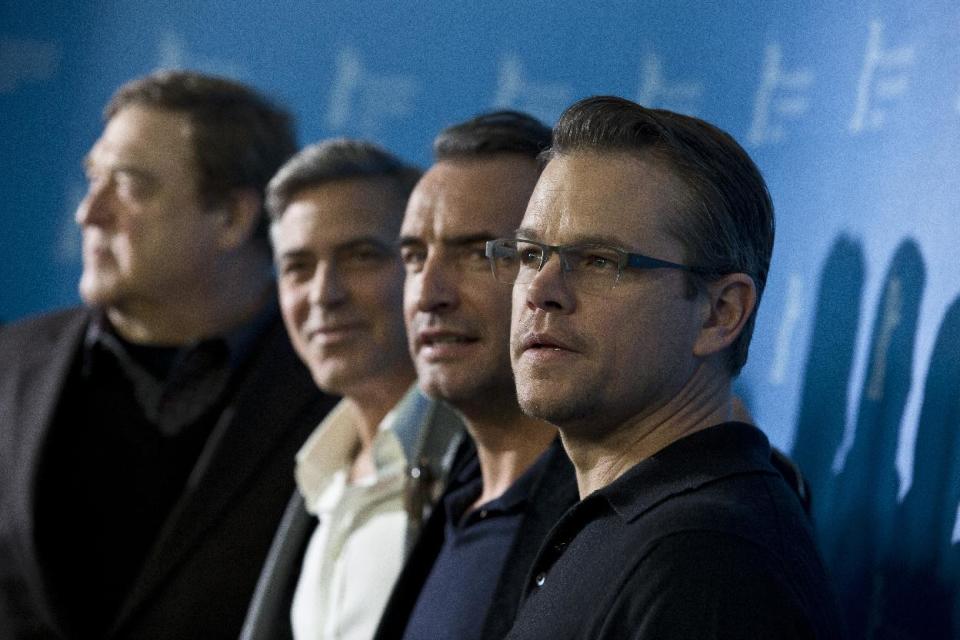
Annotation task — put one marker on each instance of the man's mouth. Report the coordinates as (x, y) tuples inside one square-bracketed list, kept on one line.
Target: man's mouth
[(541, 341), (447, 340), (333, 333), (439, 344)]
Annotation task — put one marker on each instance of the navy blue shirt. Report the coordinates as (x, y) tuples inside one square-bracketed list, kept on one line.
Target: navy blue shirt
[(468, 567)]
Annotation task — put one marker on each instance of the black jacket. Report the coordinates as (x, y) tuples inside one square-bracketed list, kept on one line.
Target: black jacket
[(199, 575)]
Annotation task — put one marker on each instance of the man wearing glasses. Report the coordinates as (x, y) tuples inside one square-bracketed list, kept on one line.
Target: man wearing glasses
[(637, 271)]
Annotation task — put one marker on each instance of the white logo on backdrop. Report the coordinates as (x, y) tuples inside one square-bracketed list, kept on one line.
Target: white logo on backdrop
[(779, 97), (515, 90), (363, 100), (884, 77), (24, 60), (656, 91), (174, 53)]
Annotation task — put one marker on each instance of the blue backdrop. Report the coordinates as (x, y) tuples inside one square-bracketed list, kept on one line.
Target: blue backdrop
[(852, 112)]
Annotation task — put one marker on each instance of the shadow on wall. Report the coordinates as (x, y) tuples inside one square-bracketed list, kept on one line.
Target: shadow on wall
[(895, 566)]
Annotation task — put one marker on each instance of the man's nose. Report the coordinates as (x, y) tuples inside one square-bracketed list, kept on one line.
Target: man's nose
[(327, 287), (548, 288), (437, 290), (96, 208)]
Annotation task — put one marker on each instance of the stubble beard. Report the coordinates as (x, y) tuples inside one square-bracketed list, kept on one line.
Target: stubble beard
[(555, 403)]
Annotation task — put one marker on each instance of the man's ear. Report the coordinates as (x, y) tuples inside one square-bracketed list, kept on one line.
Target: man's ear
[(239, 216), (731, 300)]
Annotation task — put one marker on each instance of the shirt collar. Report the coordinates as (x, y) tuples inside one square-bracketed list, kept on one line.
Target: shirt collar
[(513, 499), (331, 447), (238, 341), (689, 463)]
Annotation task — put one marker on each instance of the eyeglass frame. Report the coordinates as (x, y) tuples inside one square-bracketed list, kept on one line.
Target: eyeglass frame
[(625, 258)]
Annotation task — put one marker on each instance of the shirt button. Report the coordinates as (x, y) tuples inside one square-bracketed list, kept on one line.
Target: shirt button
[(483, 513), (541, 579)]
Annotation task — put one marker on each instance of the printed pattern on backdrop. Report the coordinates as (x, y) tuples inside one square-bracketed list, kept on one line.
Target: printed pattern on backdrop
[(852, 115)]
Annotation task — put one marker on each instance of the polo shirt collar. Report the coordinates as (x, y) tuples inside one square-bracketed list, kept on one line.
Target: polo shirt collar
[(686, 465), (513, 499)]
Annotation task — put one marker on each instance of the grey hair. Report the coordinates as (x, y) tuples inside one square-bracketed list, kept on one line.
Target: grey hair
[(336, 159)]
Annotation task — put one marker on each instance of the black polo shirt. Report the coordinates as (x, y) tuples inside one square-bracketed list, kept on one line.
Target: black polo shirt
[(704, 539)]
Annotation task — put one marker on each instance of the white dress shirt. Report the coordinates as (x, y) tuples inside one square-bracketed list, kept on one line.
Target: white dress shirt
[(357, 549)]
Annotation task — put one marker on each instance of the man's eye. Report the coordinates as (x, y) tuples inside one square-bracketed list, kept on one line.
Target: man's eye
[(529, 255), (413, 258), (473, 257), (132, 187), (596, 260), (295, 270)]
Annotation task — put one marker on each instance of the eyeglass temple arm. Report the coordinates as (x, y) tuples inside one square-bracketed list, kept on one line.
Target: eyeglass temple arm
[(646, 262)]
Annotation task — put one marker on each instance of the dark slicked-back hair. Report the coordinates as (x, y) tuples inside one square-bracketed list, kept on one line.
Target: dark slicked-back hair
[(337, 159), (493, 133), (726, 220), (239, 137)]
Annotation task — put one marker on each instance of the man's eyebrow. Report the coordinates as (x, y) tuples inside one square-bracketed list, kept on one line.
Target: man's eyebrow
[(364, 240), (306, 251), (526, 232), (409, 241), (594, 238), (293, 254), (134, 170), (467, 239), (450, 241)]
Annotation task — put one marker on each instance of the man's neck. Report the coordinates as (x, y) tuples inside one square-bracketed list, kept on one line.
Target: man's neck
[(373, 403), (508, 443), (602, 456), (199, 312)]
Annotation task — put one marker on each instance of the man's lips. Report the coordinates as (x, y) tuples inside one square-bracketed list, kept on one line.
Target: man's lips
[(330, 334), (545, 341), (437, 343)]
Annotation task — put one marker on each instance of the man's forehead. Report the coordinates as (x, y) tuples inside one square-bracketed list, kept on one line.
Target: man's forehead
[(144, 135), (468, 197), (590, 197), (334, 212)]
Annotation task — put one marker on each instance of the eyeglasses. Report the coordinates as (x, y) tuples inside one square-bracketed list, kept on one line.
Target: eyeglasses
[(587, 267)]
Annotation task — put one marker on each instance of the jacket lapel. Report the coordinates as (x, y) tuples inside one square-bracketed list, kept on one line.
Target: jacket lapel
[(268, 617), (33, 399)]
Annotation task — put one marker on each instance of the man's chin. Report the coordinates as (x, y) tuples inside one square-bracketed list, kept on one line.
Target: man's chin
[(95, 292), (450, 388), (553, 405)]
